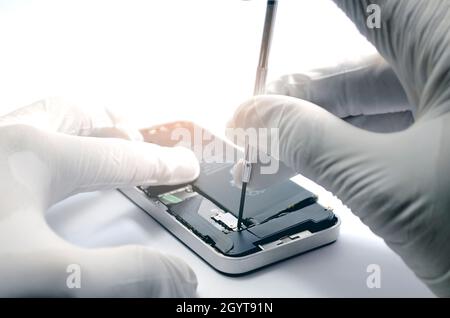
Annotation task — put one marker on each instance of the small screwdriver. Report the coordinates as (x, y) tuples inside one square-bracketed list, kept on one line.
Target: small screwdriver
[(260, 84)]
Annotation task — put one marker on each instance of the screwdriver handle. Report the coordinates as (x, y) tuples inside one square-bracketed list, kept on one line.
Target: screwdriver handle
[(266, 42)]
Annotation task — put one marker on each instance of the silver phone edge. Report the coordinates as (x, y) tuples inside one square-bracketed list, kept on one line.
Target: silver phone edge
[(270, 253)]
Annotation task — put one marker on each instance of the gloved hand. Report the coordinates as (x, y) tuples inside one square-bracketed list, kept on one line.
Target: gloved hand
[(46, 156), (396, 182)]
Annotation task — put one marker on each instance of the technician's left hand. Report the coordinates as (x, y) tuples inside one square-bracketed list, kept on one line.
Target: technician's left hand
[(48, 152)]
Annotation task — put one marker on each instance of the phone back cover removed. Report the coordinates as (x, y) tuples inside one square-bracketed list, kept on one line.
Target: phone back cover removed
[(216, 182)]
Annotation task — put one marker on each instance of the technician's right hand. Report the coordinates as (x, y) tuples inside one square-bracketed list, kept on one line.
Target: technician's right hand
[(50, 151), (393, 173)]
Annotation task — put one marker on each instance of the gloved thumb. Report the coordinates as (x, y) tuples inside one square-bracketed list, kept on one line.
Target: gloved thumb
[(313, 142)]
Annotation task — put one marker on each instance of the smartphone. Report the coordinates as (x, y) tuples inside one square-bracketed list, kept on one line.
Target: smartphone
[(279, 222)]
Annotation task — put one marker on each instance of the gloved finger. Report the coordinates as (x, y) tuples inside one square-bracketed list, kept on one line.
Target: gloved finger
[(84, 164), (135, 271), (416, 48), (366, 87), (58, 115), (314, 142), (64, 270)]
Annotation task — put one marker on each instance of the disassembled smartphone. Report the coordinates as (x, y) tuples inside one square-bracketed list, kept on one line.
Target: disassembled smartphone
[(279, 222)]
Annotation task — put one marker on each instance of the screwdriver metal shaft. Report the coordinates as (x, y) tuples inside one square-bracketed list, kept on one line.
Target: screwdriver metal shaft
[(260, 84)]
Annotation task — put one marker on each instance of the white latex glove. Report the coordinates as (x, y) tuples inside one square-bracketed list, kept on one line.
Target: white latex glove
[(44, 159), (397, 183), (366, 93)]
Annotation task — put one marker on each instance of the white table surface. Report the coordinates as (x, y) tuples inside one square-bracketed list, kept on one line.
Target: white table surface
[(338, 270)]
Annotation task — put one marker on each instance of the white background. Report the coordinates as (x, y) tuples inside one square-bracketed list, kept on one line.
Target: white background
[(195, 59), (159, 60)]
